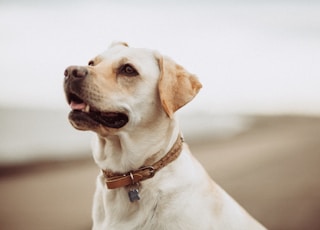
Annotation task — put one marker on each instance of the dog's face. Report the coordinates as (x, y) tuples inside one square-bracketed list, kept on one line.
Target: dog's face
[(125, 87)]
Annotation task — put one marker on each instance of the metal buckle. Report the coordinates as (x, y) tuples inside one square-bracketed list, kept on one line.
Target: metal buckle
[(151, 170)]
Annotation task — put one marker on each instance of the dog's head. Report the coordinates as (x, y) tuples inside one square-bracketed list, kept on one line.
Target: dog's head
[(126, 86)]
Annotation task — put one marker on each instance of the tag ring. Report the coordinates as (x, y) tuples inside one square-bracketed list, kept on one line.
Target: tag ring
[(132, 178)]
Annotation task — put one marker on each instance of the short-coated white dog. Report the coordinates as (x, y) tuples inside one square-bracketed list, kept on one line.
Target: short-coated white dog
[(149, 180)]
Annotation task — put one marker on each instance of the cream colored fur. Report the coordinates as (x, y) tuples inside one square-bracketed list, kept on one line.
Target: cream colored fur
[(181, 195)]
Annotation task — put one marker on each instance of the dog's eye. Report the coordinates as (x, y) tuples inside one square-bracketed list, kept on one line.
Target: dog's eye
[(128, 70), (91, 63)]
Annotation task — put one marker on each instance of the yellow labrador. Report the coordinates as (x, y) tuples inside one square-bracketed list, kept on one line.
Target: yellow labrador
[(149, 179)]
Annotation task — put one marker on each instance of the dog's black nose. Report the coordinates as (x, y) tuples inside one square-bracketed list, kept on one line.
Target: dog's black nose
[(75, 72)]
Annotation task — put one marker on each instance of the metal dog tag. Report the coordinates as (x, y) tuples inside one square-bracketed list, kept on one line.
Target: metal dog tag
[(133, 194)]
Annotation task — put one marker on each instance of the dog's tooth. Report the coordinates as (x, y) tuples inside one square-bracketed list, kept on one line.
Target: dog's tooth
[(87, 109)]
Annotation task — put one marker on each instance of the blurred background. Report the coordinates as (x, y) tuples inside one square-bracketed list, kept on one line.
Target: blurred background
[(255, 125)]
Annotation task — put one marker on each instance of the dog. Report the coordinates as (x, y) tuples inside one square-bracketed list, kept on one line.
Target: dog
[(149, 180)]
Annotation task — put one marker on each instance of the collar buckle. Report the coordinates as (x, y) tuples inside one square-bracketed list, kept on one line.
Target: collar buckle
[(151, 169)]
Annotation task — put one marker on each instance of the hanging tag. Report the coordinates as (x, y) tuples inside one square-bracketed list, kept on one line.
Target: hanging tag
[(133, 190), (133, 194)]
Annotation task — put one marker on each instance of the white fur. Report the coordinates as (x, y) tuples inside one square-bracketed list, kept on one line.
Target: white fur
[(181, 195)]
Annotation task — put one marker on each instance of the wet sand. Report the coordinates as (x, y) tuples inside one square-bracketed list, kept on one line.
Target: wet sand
[(272, 169)]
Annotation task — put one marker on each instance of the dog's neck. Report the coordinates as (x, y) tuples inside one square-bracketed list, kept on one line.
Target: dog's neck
[(127, 151)]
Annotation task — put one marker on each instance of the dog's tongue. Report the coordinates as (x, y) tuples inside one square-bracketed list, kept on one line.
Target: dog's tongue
[(77, 106)]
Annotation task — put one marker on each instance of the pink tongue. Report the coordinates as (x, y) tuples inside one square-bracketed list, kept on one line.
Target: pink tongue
[(77, 106)]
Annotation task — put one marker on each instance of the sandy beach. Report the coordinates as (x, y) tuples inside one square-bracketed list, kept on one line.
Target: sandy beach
[(272, 169)]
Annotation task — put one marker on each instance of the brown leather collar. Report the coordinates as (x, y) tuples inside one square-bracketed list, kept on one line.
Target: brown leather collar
[(117, 180)]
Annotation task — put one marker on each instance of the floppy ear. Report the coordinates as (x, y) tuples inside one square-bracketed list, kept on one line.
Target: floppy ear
[(176, 86)]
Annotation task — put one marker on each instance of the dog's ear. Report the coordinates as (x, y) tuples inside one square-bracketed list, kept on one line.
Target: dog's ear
[(176, 85), (118, 43)]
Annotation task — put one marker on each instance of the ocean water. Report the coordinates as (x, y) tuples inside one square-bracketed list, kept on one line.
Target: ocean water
[(253, 57), (29, 135)]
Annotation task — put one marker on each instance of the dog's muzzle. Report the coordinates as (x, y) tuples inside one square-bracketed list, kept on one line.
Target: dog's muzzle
[(84, 115)]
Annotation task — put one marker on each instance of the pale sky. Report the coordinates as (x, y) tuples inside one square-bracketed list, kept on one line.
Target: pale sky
[(251, 58)]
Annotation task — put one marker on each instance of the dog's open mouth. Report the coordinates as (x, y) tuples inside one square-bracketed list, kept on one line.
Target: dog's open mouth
[(83, 112)]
